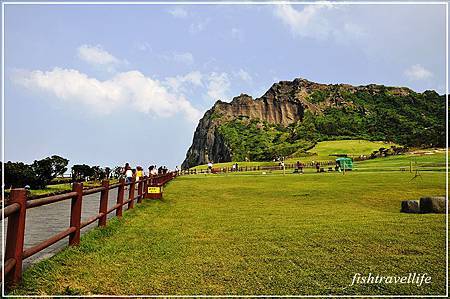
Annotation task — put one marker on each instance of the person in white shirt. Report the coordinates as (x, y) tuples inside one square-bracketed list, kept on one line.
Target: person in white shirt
[(128, 173), (154, 171)]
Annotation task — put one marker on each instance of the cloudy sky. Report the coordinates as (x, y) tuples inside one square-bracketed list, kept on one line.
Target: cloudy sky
[(109, 84)]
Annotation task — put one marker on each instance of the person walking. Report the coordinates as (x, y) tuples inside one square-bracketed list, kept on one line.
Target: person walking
[(150, 169), (124, 170), (154, 171), (128, 173), (139, 173)]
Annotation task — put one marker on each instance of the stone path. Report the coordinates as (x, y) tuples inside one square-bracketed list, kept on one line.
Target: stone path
[(45, 221)]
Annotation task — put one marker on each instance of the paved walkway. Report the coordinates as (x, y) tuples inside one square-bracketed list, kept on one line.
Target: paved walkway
[(45, 221)]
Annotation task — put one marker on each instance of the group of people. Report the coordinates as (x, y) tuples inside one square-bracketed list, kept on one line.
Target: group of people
[(137, 173), (130, 173), (152, 170), (299, 167)]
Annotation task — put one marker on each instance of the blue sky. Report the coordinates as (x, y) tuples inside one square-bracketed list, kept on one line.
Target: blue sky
[(109, 84)]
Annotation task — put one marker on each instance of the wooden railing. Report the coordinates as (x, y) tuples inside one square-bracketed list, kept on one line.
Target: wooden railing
[(258, 168), (17, 205)]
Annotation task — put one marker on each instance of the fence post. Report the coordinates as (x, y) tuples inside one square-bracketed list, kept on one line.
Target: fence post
[(131, 194), (103, 203), (75, 213), (120, 193), (140, 194), (15, 235), (145, 186)]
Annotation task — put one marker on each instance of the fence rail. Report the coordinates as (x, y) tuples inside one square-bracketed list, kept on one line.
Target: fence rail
[(17, 205), (258, 168)]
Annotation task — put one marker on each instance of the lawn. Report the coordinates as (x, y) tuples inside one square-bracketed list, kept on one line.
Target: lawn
[(260, 234), (350, 147), (320, 152), (432, 161)]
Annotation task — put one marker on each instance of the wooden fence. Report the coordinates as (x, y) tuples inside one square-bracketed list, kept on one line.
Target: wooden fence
[(17, 205), (258, 168)]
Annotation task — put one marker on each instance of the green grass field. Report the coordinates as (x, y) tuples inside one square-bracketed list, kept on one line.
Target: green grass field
[(320, 152), (351, 147), (255, 234), (50, 189)]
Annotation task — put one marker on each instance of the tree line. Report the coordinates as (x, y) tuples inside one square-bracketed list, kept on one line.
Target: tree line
[(41, 173)]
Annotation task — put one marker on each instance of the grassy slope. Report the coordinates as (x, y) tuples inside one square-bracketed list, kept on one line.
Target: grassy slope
[(423, 162), (322, 151), (261, 234), (351, 147)]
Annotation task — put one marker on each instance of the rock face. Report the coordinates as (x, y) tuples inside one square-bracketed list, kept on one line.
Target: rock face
[(269, 109), (432, 204), (410, 206), (282, 104), (287, 102), (208, 144)]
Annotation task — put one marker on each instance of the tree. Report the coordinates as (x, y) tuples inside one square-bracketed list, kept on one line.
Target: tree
[(59, 165), (98, 173), (18, 175), (118, 171), (36, 175), (81, 172), (47, 169)]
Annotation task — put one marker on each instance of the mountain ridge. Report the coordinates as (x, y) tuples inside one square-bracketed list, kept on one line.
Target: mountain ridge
[(231, 131)]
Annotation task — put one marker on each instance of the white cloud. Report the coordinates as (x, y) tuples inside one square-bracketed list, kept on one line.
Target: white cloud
[(417, 72), (218, 86), (244, 76), (320, 21), (194, 78), (308, 22), (178, 12), (95, 55), (126, 89), (181, 83)]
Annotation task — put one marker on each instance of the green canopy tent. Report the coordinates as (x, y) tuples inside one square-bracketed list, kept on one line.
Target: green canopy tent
[(345, 163)]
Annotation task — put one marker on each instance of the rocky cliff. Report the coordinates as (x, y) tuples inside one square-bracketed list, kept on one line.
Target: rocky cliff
[(293, 112), (209, 144)]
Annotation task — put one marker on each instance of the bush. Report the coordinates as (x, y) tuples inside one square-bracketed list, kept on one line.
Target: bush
[(37, 175), (85, 172)]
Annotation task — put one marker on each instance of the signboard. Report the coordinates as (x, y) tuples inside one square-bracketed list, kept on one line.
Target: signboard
[(154, 190)]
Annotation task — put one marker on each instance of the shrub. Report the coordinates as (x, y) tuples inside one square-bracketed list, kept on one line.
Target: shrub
[(37, 175)]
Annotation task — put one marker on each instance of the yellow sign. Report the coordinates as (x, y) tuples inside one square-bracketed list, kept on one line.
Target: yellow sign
[(154, 190)]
